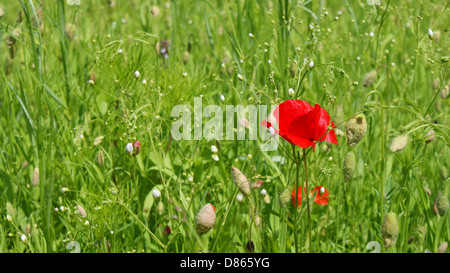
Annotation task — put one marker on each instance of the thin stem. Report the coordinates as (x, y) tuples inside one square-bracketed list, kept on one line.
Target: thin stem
[(307, 203)]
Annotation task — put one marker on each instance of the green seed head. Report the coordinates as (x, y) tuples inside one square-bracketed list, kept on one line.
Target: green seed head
[(390, 230), (185, 57), (443, 173), (349, 166), (70, 31), (442, 204), (369, 78), (399, 143), (284, 198), (100, 158), (240, 181), (355, 129)]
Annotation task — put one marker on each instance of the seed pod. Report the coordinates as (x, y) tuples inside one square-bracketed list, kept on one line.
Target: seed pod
[(240, 181), (100, 158), (399, 143), (293, 69), (355, 129), (35, 180), (284, 198), (185, 57), (443, 173), (81, 211), (205, 220), (437, 35), (2, 13), (442, 204), (390, 229), (369, 78), (443, 247), (70, 31)]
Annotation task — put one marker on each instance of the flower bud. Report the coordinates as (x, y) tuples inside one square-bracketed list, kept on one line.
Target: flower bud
[(129, 148), (154, 11), (443, 173), (81, 211), (100, 158), (156, 193), (284, 198), (35, 180), (266, 199), (239, 197), (137, 75), (167, 231), (399, 143), (23, 238), (430, 136), (444, 92), (8, 218), (430, 34), (355, 129), (442, 204), (205, 219), (240, 181), (185, 57), (137, 147), (70, 31), (390, 229), (2, 13), (349, 166), (369, 78)]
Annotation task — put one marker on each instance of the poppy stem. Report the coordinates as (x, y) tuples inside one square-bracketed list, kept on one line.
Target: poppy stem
[(296, 205), (307, 202)]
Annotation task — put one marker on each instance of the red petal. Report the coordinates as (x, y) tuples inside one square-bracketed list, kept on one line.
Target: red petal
[(321, 199), (299, 197), (302, 130)]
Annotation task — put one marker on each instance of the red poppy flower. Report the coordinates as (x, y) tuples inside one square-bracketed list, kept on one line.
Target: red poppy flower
[(320, 198), (302, 124)]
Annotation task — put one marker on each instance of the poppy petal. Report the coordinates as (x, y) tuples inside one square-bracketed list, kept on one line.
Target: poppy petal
[(321, 199), (299, 197), (302, 130)]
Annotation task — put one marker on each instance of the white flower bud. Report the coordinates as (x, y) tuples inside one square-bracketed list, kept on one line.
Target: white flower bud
[(291, 92), (214, 149), (311, 64), (8, 218), (239, 197), (430, 34), (23, 238), (156, 193), (271, 131), (263, 192), (222, 98), (137, 75), (129, 148)]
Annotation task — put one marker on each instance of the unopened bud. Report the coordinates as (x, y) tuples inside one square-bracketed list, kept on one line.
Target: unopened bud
[(399, 143), (35, 180), (349, 166), (240, 181), (81, 211), (100, 158), (205, 219), (390, 229), (70, 31)]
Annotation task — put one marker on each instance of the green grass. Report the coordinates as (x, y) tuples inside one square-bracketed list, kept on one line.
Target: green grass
[(50, 116)]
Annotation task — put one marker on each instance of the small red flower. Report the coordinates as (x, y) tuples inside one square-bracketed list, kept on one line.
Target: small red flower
[(302, 124), (299, 197), (321, 198)]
